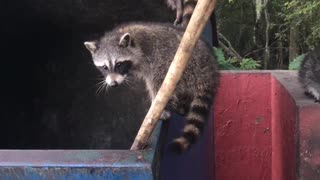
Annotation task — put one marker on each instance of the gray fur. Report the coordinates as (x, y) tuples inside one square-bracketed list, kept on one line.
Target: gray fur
[(310, 74), (184, 10), (178, 6), (153, 46)]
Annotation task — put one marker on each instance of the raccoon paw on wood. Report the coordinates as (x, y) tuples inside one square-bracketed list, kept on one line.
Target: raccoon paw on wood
[(178, 6), (165, 115)]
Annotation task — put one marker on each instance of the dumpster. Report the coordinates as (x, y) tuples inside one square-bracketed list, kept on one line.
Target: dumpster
[(80, 164), (262, 127)]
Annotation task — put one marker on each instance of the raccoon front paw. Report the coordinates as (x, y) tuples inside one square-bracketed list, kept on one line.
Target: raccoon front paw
[(177, 22), (148, 144), (165, 115)]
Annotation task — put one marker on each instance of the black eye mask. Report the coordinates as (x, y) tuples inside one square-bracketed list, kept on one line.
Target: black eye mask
[(103, 69), (123, 67)]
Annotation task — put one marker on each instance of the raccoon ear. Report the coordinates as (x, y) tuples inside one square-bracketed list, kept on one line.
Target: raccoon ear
[(91, 46), (126, 40)]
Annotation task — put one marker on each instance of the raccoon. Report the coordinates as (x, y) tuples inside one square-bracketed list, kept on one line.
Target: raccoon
[(184, 10), (145, 50), (309, 74)]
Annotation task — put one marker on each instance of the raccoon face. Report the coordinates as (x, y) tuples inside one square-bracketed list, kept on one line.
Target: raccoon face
[(115, 57)]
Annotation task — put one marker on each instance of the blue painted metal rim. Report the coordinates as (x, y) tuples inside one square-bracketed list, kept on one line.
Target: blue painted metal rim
[(82, 158)]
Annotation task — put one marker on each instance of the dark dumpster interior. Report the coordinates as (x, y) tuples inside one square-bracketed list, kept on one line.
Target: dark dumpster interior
[(49, 85)]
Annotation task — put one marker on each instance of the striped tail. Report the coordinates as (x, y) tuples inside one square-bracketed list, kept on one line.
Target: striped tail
[(195, 122)]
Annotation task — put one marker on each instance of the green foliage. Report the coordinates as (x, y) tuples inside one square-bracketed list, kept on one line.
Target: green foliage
[(232, 63), (224, 64), (218, 53), (304, 15), (294, 23), (295, 64), (249, 64)]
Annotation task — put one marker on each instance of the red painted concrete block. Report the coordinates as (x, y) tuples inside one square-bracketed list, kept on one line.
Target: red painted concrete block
[(309, 142), (265, 128), (284, 126), (242, 127)]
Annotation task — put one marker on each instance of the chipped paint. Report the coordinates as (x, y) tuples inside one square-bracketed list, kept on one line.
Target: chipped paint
[(255, 126), (79, 164)]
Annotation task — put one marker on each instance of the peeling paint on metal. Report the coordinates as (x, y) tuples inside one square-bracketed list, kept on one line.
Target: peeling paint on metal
[(79, 164)]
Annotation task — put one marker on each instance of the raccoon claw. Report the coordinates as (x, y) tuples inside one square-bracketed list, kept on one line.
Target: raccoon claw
[(177, 22)]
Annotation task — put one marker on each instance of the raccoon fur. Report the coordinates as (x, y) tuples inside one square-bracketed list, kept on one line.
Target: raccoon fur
[(184, 10), (309, 74), (145, 51)]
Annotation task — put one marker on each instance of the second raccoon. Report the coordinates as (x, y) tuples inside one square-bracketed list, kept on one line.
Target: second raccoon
[(309, 74)]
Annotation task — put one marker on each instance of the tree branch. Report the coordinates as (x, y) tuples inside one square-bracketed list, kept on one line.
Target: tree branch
[(267, 50), (229, 49)]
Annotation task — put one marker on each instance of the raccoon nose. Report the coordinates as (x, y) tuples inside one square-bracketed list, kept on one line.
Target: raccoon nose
[(114, 84)]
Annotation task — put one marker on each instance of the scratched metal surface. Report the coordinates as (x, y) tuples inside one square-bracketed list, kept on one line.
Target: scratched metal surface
[(79, 164), (75, 173), (71, 164)]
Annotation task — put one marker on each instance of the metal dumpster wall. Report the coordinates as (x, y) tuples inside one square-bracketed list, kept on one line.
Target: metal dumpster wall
[(197, 163), (73, 164)]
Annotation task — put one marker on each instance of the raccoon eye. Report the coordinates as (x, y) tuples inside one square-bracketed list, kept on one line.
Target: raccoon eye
[(118, 64), (105, 67), (123, 67)]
